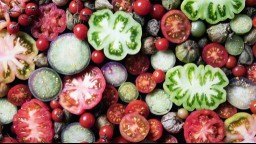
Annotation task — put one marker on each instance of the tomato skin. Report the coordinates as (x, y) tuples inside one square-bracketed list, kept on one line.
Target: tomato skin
[(251, 73), (120, 139), (226, 110), (55, 104), (19, 94), (13, 27), (139, 107), (106, 131), (162, 44), (145, 83), (158, 76), (239, 71), (24, 20), (156, 130), (231, 62), (250, 2), (80, 31), (115, 113), (58, 115), (253, 106), (75, 6), (98, 56), (254, 22), (157, 11), (254, 50), (87, 120), (85, 14), (42, 44), (31, 9), (142, 7), (169, 139)]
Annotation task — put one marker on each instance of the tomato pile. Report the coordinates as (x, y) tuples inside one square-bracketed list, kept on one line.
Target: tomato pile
[(84, 71)]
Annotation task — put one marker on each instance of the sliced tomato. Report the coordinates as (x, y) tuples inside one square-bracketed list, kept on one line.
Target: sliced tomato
[(226, 110), (156, 130), (215, 55), (139, 107), (19, 94), (137, 64), (115, 113), (32, 123), (204, 126), (110, 95), (82, 91), (175, 26), (251, 73), (145, 83), (169, 139), (4, 16), (123, 5), (134, 127), (8, 139)]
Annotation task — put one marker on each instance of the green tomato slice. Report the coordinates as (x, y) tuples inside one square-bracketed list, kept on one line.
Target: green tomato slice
[(196, 87), (118, 34)]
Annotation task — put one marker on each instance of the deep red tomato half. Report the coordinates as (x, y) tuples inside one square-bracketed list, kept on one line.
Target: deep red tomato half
[(19, 94), (251, 2), (156, 130), (137, 64), (175, 26), (110, 95), (145, 83), (7, 139), (226, 110), (139, 107), (115, 113), (251, 73)]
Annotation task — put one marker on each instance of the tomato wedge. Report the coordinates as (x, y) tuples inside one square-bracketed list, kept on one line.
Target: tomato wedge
[(145, 83), (115, 113), (215, 55), (175, 26), (139, 107)]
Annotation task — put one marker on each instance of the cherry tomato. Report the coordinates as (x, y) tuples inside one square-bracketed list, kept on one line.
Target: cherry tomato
[(239, 71), (157, 11), (42, 44), (87, 120), (80, 31), (106, 132), (226, 110), (182, 113), (101, 140), (162, 44), (98, 56), (156, 130), (251, 2), (13, 27), (58, 115), (139, 107), (145, 83), (115, 113), (85, 14), (75, 6), (24, 20), (19, 94), (55, 104), (31, 9), (158, 76), (254, 22), (253, 106), (231, 62), (142, 7), (120, 139), (254, 50)]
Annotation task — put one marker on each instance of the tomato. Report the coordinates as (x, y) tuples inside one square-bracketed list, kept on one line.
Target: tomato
[(115, 113), (175, 26), (134, 127), (82, 91), (145, 83), (254, 50), (58, 115), (19, 94), (231, 62), (156, 130), (137, 64), (251, 73), (169, 139), (124, 5), (253, 106), (250, 2), (24, 20), (204, 126), (120, 139), (239, 71), (5, 17), (16, 7), (75, 6), (31, 9), (55, 104), (158, 76), (182, 113), (157, 11), (98, 56), (110, 95), (80, 31), (85, 14), (139, 107), (101, 140), (106, 132), (13, 27), (8, 139), (87, 120), (215, 55), (142, 7), (162, 44), (254, 22), (42, 44), (32, 123), (226, 110)]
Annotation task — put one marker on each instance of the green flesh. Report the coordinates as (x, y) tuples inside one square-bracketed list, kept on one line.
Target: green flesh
[(128, 92), (7, 111)]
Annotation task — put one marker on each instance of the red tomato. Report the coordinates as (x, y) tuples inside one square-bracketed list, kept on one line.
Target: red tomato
[(158, 11), (239, 71), (24, 20), (250, 2), (32, 123), (42, 44), (156, 130), (85, 14), (137, 64), (253, 106), (98, 56), (87, 120), (115, 113), (175, 26), (162, 44), (31, 9), (75, 6), (8, 139), (123, 5), (142, 7), (169, 139), (204, 126), (106, 132), (110, 95), (254, 22), (226, 110), (215, 55), (80, 31), (145, 83), (158, 76), (254, 50), (251, 73), (139, 107), (120, 139), (55, 104), (58, 115), (101, 140), (134, 127), (13, 27), (231, 62), (5, 16), (19, 94), (82, 91), (15, 7)]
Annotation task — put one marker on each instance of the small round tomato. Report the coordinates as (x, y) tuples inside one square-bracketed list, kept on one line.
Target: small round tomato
[(239, 71), (110, 95), (120, 139), (253, 106), (250, 2), (101, 140), (145, 83), (182, 113), (158, 76), (31, 9), (24, 20), (55, 104), (80, 31), (123, 5), (106, 132), (162, 44), (254, 50), (226, 110), (75, 6), (85, 14), (19, 94), (115, 113), (251, 73), (157, 11), (142, 7), (156, 130), (231, 62), (137, 64), (215, 55), (98, 56), (139, 107), (58, 115), (42, 44), (87, 120), (13, 27)]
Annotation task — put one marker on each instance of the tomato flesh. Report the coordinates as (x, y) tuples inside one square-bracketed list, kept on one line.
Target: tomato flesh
[(19, 94), (145, 83), (251, 73), (115, 113), (137, 64), (110, 95), (139, 107), (226, 110), (124, 5), (156, 129)]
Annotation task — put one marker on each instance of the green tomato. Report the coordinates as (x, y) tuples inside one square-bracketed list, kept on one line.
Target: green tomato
[(198, 28)]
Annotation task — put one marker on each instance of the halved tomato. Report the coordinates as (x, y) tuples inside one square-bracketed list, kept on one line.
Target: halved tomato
[(19, 94), (251, 73), (156, 130), (175, 26), (123, 5), (82, 91), (115, 113), (145, 83), (110, 95), (134, 127), (32, 123), (226, 110), (169, 139), (139, 107), (4, 16), (137, 64), (215, 55)]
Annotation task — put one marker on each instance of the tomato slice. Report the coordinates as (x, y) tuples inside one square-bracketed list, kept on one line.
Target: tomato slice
[(204, 126), (82, 91), (251, 73), (226, 110), (115, 113), (139, 107), (137, 64), (175, 26), (134, 127), (145, 83), (156, 130), (110, 95), (19, 94), (215, 55), (4, 16), (123, 5)]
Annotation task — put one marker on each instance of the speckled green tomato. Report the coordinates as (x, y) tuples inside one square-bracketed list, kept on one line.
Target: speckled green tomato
[(198, 28)]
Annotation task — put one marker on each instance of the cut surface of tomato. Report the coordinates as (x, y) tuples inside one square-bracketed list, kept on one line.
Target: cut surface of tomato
[(19, 94), (251, 73), (115, 113), (137, 64), (139, 107), (110, 95), (145, 83), (156, 129), (226, 110), (123, 5)]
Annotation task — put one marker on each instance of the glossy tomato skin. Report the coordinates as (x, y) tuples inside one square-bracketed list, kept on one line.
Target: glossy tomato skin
[(87, 120), (156, 130), (24, 20), (231, 62), (98, 56), (253, 106), (162, 44), (85, 14), (157, 11), (55, 104), (142, 7), (75, 6), (80, 31), (226, 110), (31, 9), (158, 76), (139, 107), (13, 27), (106, 132), (115, 113), (58, 115), (42, 44), (145, 83), (19, 94), (239, 71)]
